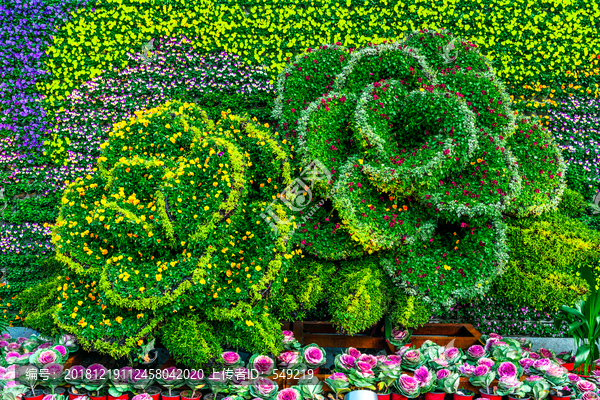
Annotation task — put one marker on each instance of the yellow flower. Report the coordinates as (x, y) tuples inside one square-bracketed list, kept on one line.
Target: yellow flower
[(119, 319), (158, 277), (447, 267)]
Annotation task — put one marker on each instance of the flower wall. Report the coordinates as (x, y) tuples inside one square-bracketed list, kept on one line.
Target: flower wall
[(75, 69)]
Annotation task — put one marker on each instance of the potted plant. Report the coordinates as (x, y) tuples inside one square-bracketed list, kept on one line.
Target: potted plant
[(217, 383), (560, 393), (389, 370), (511, 386), (54, 376), (474, 353), (289, 342), (28, 376), (463, 394), (339, 383), (120, 384), (75, 378), (447, 381), (313, 357), (195, 382), (427, 381), (171, 378), (263, 388), (412, 359), (584, 326), (482, 377), (396, 336), (310, 388), (289, 394), (362, 376), (539, 389), (406, 387), (141, 380), (96, 378)]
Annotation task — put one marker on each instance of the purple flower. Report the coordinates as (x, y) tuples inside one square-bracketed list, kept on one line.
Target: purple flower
[(392, 360), (534, 378), (263, 365), (288, 394), (265, 386), (534, 356), (364, 368), (423, 376), (542, 364), (3, 343), (408, 384), (546, 353), (21, 339), (573, 377), (47, 357), (585, 386), (14, 346), (353, 352), (590, 396), (314, 355), (490, 343), (526, 362), (369, 359), (54, 369), (481, 370), (399, 334), (61, 349), (451, 353), (347, 361), (338, 376), (288, 336), (466, 369), (442, 374), (486, 361), (556, 370), (507, 369), (288, 358), (230, 358), (142, 396), (476, 351), (95, 372), (76, 372)]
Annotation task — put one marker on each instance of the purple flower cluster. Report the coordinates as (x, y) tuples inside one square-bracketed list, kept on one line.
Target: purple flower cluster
[(26, 28), (575, 125), (493, 314), (177, 72), (28, 238)]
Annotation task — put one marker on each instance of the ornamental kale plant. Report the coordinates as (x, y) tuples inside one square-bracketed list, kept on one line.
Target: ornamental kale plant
[(426, 160), (168, 227)]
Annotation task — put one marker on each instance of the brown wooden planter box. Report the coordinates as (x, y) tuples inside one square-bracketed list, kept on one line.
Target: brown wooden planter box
[(325, 335)]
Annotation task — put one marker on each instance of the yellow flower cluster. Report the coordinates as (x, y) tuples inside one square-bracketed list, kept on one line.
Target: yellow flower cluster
[(527, 41)]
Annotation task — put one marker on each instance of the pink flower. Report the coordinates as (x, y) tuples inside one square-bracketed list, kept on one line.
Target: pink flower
[(442, 374), (288, 358), (476, 351), (314, 355), (423, 376), (585, 386), (369, 359), (288, 394), (486, 361), (338, 376), (507, 369), (230, 357), (288, 336), (353, 352), (481, 370)]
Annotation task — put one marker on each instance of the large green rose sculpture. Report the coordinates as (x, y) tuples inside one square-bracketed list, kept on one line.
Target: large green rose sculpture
[(425, 159), (170, 226)]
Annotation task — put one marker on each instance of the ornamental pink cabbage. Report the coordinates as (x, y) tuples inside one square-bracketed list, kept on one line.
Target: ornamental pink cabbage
[(369, 359), (442, 374), (288, 336), (314, 355), (288, 394), (481, 370), (288, 358), (230, 357), (507, 369), (338, 376), (585, 386), (476, 351), (348, 361), (353, 352), (488, 362), (423, 376)]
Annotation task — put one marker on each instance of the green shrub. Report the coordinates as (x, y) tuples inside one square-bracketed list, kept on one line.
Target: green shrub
[(546, 255), (171, 222)]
